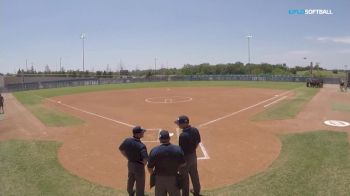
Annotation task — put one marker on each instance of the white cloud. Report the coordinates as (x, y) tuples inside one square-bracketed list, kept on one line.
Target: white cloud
[(344, 39)]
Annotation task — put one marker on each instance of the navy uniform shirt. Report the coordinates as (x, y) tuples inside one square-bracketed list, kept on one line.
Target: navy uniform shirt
[(135, 150), (189, 140), (166, 159)]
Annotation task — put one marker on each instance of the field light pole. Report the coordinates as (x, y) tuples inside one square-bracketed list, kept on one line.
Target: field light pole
[(248, 38), (83, 37)]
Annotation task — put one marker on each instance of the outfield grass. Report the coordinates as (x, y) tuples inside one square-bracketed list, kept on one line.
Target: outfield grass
[(289, 108), (315, 163), (84, 89), (51, 117), (31, 168), (342, 107)]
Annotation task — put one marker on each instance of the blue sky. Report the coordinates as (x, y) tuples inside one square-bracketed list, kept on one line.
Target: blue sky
[(175, 32)]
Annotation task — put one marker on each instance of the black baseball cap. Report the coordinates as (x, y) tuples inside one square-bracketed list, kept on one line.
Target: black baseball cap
[(138, 129), (182, 119), (164, 134)]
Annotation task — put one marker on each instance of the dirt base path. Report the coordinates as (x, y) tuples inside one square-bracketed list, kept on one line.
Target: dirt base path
[(312, 117), (18, 122)]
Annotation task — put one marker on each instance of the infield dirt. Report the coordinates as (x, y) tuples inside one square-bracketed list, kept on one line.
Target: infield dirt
[(237, 147)]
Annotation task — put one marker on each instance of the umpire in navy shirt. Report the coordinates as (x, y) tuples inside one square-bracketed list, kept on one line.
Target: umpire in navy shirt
[(189, 140), (165, 161), (136, 153)]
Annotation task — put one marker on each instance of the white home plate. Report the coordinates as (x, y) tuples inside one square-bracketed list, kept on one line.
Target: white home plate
[(171, 134), (336, 123)]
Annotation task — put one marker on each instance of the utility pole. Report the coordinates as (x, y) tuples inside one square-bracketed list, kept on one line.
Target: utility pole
[(155, 66), (120, 65), (60, 63), (311, 64)]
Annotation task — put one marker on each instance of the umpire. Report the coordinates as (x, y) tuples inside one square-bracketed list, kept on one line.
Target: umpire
[(164, 162), (188, 141), (136, 153)]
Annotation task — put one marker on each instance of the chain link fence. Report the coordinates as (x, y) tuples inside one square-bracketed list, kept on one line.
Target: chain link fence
[(32, 83)]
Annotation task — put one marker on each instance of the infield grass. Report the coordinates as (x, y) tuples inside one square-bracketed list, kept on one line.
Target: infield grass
[(288, 109), (49, 116), (314, 163), (342, 107), (52, 117)]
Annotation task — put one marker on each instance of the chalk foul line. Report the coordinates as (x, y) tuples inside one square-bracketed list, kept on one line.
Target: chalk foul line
[(280, 99), (204, 151), (87, 112), (239, 111)]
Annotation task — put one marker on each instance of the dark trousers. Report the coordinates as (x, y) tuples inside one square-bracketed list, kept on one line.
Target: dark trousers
[(166, 185), (136, 173), (190, 170)]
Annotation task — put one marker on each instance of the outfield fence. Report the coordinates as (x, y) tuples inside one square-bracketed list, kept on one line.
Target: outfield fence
[(32, 83)]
